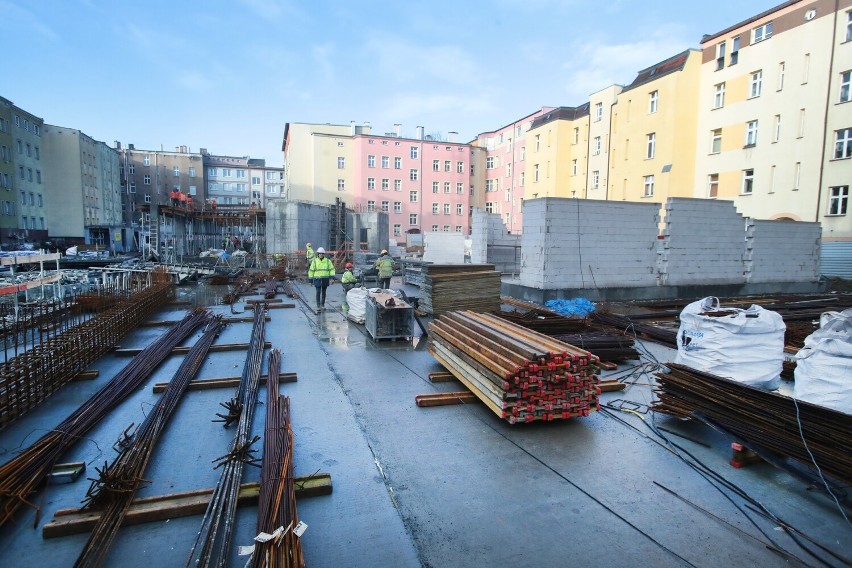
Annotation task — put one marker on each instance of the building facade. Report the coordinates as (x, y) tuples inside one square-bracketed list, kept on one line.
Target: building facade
[(558, 163), (8, 215)]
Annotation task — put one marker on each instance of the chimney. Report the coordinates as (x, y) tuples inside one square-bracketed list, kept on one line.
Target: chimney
[(420, 133), (398, 129), (367, 127), (117, 145), (451, 136), (131, 146), (351, 128), (202, 150)]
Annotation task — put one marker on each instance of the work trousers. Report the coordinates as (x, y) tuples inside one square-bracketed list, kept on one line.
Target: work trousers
[(384, 283), (321, 284)]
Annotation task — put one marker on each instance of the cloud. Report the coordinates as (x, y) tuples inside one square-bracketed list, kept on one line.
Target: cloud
[(404, 62), (16, 16), (323, 55)]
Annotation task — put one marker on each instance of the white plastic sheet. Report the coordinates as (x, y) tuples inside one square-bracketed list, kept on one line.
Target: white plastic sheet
[(824, 364), (746, 346)]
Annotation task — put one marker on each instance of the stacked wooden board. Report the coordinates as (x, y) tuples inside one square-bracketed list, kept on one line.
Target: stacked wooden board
[(522, 375), (449, 287)]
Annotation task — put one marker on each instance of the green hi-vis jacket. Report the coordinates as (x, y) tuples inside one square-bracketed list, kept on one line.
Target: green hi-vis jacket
[(385, 266), (348, 277), (321, 268)]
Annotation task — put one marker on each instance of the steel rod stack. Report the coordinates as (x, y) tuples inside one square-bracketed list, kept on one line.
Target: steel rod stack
[(28, 379), (276, 509), (761, 417), (459, 287), (213, 542), (113, 491), (21, 476), (521, 375), (630, 327)]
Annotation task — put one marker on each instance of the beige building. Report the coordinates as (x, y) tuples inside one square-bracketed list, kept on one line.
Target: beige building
[(771, 110), (556, 166), (601, 108), (29, 182), (84, 196), (652, 145)]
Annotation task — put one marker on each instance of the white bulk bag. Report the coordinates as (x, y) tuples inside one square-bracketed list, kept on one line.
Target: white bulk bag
[(824, 364), (356, 298), (746, 346)]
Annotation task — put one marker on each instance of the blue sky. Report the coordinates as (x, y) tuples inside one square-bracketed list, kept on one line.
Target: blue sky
[(227, 75)]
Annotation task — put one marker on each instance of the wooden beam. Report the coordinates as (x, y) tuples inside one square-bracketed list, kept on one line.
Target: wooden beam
[(611, 386), (86, 375), (272, 300), (446, 398), (233, 382), (185, 350), (607, 366), (441, 377), (149, 509)]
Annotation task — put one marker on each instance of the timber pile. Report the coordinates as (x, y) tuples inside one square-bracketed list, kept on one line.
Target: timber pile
[(760, 419), (521, 375), (449, 287)]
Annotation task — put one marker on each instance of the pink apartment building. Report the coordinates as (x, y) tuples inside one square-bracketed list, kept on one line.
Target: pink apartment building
[(424, 185)]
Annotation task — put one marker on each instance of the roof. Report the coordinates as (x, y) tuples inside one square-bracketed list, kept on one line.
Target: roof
[(711, 37), (671, 65), (562, 113)]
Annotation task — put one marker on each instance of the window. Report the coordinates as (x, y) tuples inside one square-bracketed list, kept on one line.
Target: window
[(649, 186), (371, 183), (459, 188), (797, 175), (371, 161), (447, 208), (801, 123), (193, 190), (837, 200), (748, 182), (40, 200), (522, 179), (460, 167), (397, 185), (576, 137), (490, 185), (29, 174), (146, 180), (434, 228), (397, 206), (435, 208), (412, 196), (845, 94), (436, 165), (385, 162), (21, 172), (385, 184), (412, 174), (781, 76), (37, 153), (271, 175), (448, 165), (596, 146), (535, 172), (713, 185), (848, 26), (412, 218), (751, 133), (596, 179), (489, 163), (756, 84), (413, 152), (23, 198), (435, 186), (761, 33), (192, 172), (147, 198), (397, 163), (716, 141), (132, 169), (397, 229), (459, 209), (146, 160), (598, 112), (843, 143), (574, 167), (720, 55), (776, 130), (341, 184), (255, 180), (652, 145), (20, 147), (806, 68), (341, 162), (446, 228), (735, 50), (132, 187), (719, 96), (38, 176), (537, 142), (489, 207), (653, 99), (523, 157), (459, 227), (447, 187), (29, 150), (371, 205)]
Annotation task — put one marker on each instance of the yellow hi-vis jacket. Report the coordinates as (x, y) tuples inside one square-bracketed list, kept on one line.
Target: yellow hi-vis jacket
[(309, 254), (321, 268), (348, 277), (385, 266)]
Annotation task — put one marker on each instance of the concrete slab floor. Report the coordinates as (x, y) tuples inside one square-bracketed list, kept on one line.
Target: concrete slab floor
[(433, 487)]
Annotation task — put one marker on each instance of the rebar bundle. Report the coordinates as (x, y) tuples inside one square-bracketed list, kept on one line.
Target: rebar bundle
[(28, 379), (775, 422), (22, 475), (276, 509), (113, 491), (213, 542), (627, 326), (521, 375)]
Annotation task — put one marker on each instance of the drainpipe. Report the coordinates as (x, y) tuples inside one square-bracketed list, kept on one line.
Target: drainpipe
[(825, 115)]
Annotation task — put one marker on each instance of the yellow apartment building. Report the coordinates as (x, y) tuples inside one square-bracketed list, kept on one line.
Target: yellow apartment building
[(652, 145), (601, 108), (557, 146), (308, 151)]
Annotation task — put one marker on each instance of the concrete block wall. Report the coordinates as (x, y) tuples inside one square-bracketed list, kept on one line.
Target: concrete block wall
[(377, 225), (782, 251), (703, 243), (583, 244), (491, 243), (291, 224), (443, 248), (479, 236)]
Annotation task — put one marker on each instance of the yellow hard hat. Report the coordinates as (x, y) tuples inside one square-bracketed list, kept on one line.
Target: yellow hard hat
[(384, 251), (309, 244)]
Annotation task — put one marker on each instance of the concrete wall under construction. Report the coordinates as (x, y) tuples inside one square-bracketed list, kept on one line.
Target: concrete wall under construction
[(291, 224), (491, 243), (611, 250), (369, 227)]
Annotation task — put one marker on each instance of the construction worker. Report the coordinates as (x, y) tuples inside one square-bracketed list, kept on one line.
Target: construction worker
[(189, 202), (213, 204), (319, 273), (174, 197), (385, 265), (348, 279), (309, 253), (182, 198)]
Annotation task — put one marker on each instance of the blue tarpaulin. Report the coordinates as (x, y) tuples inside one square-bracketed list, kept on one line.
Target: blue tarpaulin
[(578, 307)]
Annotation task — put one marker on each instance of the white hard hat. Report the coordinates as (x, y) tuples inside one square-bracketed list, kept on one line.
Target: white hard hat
[(320, 250)]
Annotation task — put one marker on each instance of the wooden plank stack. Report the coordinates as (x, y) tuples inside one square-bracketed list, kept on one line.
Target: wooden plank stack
[(449, 287), (521, 375)]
